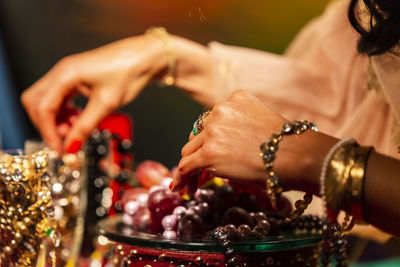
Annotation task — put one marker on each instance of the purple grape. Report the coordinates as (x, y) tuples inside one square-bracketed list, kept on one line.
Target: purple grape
[(248, 202), (142, 199), (131, 207), (169, 234), (179, 211), (170, 222), (144, 222), (166, 182), (127, 219), (154, 188), (191, 227), (204, 195), (162, 202), (204, 209), (190, 203), (237, 216), (225, 197)]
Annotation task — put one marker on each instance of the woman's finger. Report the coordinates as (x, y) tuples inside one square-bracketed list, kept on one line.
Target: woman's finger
[(193, 145), (98, 107), (188, 166)]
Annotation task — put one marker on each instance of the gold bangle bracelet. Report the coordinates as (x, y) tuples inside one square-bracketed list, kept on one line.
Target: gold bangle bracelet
[(338, 173), (354, 189), (163, 34), (343, 178)]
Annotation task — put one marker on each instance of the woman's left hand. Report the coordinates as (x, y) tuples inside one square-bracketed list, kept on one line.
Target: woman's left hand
[(229, 144)]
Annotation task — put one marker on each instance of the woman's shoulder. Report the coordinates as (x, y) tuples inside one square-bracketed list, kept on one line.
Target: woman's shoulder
[(330, 31)]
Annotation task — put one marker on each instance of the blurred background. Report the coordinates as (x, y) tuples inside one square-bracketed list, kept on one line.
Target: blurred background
[(36, 34)]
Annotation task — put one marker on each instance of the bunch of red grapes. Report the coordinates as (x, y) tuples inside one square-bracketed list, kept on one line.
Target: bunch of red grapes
[(243, 211)]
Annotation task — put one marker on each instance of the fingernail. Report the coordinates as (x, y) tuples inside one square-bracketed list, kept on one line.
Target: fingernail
[(74, 147), (170, 186)]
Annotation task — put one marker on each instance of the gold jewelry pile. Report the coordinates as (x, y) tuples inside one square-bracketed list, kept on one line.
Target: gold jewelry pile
[(26, 208), (39, 203)]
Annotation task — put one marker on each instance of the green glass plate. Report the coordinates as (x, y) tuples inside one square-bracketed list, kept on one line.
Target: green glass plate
[(115, 230)]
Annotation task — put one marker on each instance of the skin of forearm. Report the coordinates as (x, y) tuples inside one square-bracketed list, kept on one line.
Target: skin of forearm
[(194, 70), (300, 158), (381, 206)]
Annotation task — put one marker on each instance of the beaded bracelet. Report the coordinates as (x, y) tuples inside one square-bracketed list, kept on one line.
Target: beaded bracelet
[(268, 151)]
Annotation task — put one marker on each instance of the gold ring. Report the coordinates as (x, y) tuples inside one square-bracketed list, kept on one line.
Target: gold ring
[(198, 124)]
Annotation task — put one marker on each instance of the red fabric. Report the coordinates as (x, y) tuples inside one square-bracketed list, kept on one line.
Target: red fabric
[(305, 256)]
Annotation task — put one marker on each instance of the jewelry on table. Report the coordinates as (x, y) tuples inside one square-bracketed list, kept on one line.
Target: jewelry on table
[(39, 202)]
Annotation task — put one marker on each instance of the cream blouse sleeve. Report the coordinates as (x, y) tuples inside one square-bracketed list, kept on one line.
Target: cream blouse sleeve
[(321, 77)]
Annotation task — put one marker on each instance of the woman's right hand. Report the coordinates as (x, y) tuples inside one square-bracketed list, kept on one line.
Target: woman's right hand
[(109, 76)]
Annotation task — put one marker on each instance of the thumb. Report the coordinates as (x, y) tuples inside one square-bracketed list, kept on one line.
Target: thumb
[(99, 106)]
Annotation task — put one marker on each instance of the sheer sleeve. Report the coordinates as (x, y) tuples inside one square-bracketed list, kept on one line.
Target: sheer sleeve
[(321, 77)]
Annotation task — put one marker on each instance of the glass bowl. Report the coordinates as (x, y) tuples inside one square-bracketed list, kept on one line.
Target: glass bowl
[(133, 248)]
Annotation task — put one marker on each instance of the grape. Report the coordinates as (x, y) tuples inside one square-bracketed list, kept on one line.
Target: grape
[(166, 182), (225, 197), (179, 211), (132, 195), (190, 203), (142, 199), (144, 222), (194, 210), (131, 207), (162, 202), (169, 234), (127, 219), (154, 188), (169, 222), (204, 209), (237, 216), (248, 202), (150, 173), (191, 227), (204, 195)]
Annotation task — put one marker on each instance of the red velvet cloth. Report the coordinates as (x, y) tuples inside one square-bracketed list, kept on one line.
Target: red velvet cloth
[(139, 256)]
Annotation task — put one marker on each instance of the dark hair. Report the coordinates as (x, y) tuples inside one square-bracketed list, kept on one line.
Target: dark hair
[(382, 31)]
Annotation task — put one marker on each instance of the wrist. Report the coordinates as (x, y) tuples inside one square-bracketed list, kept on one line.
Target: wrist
[(163, 56), (194, 70), (300, 158)]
